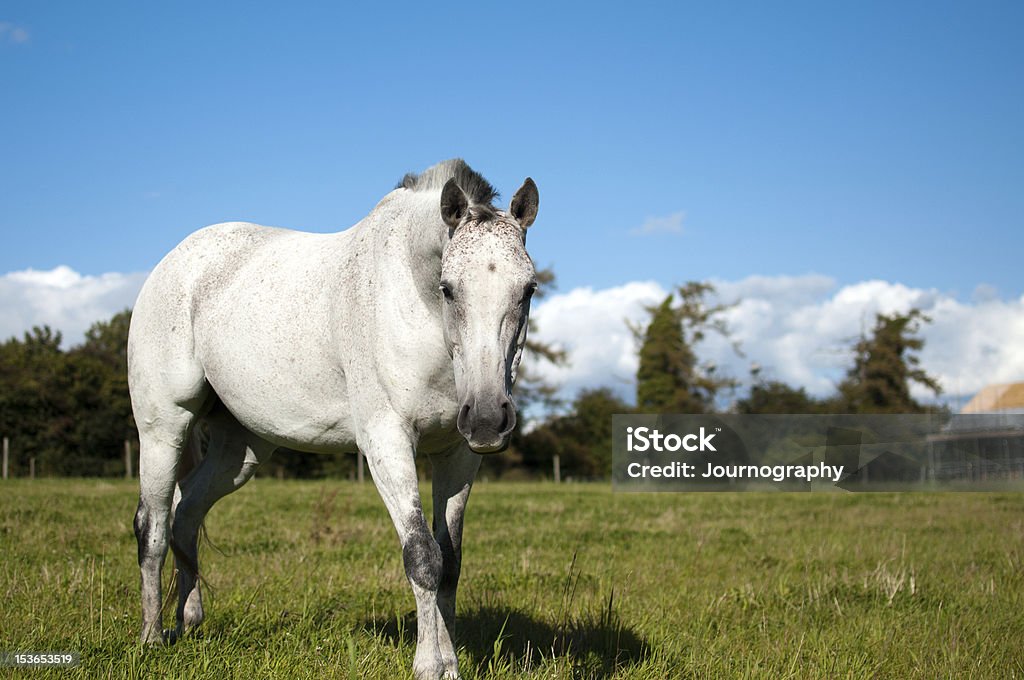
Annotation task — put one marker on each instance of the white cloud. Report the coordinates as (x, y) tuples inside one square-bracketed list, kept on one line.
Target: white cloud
[(591, 325), (669, 224), (63, 299), (799, 329), (13, 33)]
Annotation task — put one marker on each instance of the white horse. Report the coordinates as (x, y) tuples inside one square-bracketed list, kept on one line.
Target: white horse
[(401, 335)]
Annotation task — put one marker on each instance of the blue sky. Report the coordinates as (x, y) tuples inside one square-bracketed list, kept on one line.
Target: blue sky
[(820, 162), (858, 141)]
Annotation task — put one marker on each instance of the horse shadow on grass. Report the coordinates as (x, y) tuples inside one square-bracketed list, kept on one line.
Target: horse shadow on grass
[(492, 637)]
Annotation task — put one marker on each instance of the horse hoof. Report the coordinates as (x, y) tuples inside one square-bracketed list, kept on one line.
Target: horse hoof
[(153, 640), (429, 672), (170, 636)]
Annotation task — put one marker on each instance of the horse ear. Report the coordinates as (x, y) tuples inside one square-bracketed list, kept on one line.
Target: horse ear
[(524, 204), (454, 204)]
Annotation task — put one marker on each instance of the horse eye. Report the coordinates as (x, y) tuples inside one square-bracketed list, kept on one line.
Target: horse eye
[(447, 292), (530, 290)]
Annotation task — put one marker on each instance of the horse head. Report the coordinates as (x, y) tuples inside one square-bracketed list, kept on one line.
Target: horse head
[(487, 280)]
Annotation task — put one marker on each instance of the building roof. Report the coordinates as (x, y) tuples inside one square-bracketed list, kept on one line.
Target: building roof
[(1008, 397)]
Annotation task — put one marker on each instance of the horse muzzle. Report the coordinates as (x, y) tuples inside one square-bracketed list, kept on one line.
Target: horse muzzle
[(487, 423)]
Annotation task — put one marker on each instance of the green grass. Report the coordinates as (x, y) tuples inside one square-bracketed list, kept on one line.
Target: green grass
[(564, 581)]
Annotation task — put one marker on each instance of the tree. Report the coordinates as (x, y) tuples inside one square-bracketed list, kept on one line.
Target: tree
[(884, 366), (68, 410), (773, 396), (34, 398), (106, 342), (669, 378), (102, 400), (582, 438)]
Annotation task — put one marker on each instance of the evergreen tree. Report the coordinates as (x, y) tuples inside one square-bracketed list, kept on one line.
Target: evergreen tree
[(884, 366), (669, 378)]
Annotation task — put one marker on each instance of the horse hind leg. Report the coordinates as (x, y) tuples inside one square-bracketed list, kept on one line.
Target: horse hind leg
[(231, 460), (161, 442)]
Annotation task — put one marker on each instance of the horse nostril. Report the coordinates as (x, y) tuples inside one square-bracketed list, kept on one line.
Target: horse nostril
[(463, 420), (508, 417)]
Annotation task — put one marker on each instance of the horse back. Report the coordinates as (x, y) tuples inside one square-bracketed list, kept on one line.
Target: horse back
[(246, 310)]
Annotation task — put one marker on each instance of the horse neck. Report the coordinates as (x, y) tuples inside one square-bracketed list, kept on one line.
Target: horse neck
[(412, 231)]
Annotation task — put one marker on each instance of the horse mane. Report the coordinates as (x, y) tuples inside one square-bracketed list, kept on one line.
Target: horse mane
[(479, 191)]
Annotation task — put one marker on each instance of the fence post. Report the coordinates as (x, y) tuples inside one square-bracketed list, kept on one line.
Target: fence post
[(558, 469), (127, 459), (359, 466), (7, 447)]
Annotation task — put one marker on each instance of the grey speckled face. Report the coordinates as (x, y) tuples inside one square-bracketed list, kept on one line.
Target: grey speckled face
[(487, 280)]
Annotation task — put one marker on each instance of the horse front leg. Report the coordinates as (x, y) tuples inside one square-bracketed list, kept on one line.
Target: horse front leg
[(454, 471), (390, 456)]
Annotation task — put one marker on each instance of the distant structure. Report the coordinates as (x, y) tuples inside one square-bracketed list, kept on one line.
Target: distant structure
[(1006, 398), (985, 441)]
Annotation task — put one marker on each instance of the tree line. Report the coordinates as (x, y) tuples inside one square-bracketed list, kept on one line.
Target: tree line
[(70, 410)]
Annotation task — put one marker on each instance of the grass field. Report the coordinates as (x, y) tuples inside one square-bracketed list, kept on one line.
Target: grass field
[(566, 581)]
